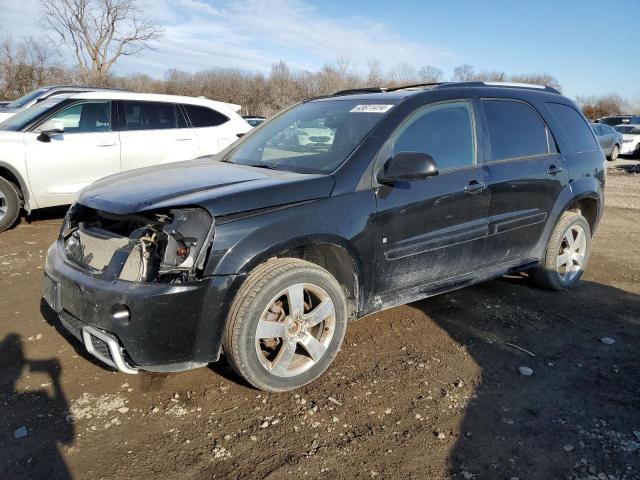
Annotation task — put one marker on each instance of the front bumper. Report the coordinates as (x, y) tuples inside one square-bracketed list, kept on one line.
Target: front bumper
[(169, 327)]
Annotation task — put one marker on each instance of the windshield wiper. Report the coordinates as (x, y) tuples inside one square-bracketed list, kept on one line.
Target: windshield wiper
[(261, 165)]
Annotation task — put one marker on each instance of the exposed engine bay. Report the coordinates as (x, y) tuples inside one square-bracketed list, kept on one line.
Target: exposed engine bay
[(165, 247)]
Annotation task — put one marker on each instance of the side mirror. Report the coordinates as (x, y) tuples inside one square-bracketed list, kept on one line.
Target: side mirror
[(407, 166), (49, 129)]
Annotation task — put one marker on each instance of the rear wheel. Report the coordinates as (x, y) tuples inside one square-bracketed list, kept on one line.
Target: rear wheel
[(9, 204), (566, 255), (286, 324)]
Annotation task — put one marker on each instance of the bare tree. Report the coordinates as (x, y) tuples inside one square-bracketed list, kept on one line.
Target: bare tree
[(594, 106), (430, 74), (99, 32), (463, 73), (27, 64)]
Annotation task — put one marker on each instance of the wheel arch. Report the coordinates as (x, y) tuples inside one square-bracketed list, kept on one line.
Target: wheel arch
[(583, 196), (11, 174), (333, 253)]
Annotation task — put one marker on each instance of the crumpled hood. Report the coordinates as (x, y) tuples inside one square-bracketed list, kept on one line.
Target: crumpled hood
[(221, 188)]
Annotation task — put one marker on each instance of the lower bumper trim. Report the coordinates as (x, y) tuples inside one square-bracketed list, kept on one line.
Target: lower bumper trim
[(95, 342)]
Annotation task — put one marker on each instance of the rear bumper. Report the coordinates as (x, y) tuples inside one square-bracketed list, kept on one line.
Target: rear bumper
[(169, 327)]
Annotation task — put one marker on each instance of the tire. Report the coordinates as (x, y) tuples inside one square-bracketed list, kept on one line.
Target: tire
[(293, 351), (564, 264), (9, 204), (615, 151)]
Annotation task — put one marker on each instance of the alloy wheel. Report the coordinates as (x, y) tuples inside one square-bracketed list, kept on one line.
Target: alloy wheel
[(571, 257), (3, 206), (295, 330)]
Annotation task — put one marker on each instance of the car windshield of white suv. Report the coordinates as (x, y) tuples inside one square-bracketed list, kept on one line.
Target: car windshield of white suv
[(15, 123), (313, 137), (628, 129), (23, 100)]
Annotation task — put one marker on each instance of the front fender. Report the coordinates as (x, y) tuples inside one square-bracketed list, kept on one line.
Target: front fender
[(344, 221)]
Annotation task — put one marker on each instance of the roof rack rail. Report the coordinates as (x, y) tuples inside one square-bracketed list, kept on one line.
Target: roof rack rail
[(352, 91), (531, 86), (415, 85)]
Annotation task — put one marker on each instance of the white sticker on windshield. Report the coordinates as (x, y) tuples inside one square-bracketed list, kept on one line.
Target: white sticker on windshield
[(371, 108)]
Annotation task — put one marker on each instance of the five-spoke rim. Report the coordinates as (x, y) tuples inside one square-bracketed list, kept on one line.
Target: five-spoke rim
[(573, 250), (3, 205), (295, 329)]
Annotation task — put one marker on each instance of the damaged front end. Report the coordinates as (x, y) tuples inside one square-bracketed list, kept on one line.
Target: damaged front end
[(163, 247)]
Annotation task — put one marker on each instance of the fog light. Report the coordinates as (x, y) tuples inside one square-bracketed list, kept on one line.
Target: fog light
[(120, 314)]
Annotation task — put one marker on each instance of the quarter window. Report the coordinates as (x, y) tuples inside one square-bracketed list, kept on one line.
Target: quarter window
[(150, 116), (574, 127), (515, 130), (85, 117), (444, 131), (203, 116)]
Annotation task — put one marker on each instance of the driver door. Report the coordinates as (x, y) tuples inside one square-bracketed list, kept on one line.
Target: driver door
[(436, 228), (61, 165)]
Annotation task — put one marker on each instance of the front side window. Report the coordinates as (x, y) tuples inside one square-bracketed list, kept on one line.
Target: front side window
[(575, 127), (313, 137), (204, 117), (151, 116), (85, 117), (515, 130), (444, 131)]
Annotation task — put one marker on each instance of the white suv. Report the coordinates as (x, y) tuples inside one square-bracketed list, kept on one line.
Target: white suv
[(52, 150)]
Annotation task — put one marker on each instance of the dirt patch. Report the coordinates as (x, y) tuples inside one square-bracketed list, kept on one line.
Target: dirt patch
[(427, 390)]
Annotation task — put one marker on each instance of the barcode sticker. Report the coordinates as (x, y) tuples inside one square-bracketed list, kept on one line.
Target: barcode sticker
[(371, 108)]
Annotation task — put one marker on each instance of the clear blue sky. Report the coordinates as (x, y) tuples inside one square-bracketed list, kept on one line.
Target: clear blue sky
[(587, 45)]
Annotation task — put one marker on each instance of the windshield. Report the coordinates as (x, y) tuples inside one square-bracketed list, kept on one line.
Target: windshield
[(23, 100), (313, 137), (628, 129), (15, 123)]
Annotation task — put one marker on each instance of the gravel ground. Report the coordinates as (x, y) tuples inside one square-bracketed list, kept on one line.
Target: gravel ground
[(433, 389)]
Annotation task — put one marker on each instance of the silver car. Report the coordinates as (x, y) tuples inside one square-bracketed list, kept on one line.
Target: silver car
[(610, 140)]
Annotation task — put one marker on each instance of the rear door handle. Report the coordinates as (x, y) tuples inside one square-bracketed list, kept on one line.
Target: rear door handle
[(475, 187), (553, 170), (183, 139), (106, 144)]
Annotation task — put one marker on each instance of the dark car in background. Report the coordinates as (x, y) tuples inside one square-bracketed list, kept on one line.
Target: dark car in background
[(268, 250), (614, 120), (609, 138)]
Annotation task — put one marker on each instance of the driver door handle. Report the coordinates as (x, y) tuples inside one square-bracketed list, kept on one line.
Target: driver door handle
[(106, 144), (475, 187)]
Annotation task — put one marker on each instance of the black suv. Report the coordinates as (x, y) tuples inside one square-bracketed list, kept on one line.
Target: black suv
[(336, 208)]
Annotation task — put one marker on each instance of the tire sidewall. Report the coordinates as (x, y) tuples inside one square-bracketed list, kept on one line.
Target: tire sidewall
[(13, 205), (260, 377), (554, 246)]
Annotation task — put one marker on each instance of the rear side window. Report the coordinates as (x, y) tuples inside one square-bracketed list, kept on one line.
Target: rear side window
[(204, 116), (515, 130), (444, 131), (574, 127), (150, 116)]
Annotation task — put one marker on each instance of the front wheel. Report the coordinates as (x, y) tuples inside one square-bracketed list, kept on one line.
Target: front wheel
[(615, 151), (566, 255), (9, 204), (286, 324)]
